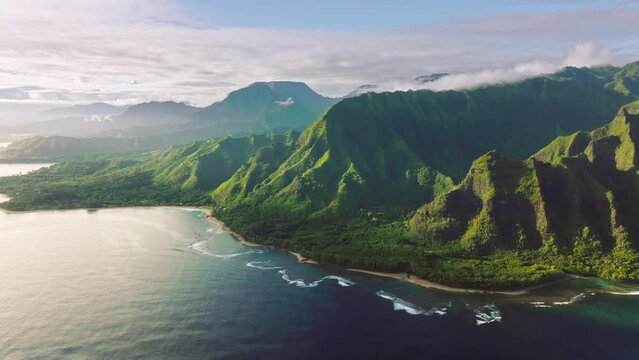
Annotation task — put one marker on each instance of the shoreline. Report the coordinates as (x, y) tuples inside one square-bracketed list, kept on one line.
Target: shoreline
[(433, 285), (301, 259), (242, 239), (397, 276)]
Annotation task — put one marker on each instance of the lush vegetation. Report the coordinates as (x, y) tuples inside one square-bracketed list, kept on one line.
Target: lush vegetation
[(573, 204), (345, 192), (162, 177)]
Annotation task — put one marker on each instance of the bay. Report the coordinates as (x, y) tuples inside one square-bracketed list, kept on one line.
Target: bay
[(168, 283)]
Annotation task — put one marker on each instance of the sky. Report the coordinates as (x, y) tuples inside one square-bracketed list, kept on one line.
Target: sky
[(196, 51)]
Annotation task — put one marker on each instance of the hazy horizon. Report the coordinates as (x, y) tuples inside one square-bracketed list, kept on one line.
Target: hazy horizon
[(63, 53)]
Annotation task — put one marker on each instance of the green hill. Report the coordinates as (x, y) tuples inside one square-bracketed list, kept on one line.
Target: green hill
[(260, 108), (55, 147), (178, 175), (574, 204), (269, 105), (402, 149)]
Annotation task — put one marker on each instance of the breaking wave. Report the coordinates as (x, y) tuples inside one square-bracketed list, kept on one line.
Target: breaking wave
[(572, 300), (202, 247), (217, 230), (487, 314), (624, 293), (262, 265), (539, 304), (301, 283), (403, 305)]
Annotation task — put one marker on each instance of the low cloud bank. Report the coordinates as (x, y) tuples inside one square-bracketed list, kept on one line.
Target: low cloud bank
[(586, 54)]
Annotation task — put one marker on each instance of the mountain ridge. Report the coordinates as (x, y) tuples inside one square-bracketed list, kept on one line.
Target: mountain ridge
[(574, 201)]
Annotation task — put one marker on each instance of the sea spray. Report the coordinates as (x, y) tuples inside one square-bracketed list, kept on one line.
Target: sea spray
[(487, 314), (301, 283), (202, 248), (403, 305), (572, 300), (262, 265)]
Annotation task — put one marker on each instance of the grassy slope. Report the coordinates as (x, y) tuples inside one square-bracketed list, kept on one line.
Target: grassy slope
[(405, 148), (572, 206), (171, 176)]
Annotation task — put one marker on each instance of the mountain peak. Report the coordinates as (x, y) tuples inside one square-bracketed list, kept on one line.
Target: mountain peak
[(430, 77), (274, 104)]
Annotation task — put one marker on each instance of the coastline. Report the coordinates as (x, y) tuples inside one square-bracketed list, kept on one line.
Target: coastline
[(243, 240), (397, 276), (433, 285)]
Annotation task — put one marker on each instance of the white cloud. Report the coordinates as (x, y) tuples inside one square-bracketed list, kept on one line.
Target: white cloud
[(98, 118), (125, 51), (288, 102), (588, 54), (582, 55)]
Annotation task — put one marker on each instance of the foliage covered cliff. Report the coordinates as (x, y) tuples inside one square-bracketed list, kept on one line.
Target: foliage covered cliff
[(575, 202)]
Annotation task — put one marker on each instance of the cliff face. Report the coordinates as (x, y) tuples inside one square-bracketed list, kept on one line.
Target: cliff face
[(581, 191)]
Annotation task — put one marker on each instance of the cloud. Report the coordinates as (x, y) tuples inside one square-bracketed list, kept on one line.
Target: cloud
[(288, 102), (98, 118), (492, 76), (582, 55), (588, 54), (126, 51)]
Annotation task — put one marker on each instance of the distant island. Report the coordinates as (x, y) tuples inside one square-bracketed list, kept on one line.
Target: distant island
[(497, 187)]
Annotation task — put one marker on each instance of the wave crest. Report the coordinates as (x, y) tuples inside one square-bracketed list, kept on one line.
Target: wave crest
[(202, 248), (262, 265), (301, 283), (487, 314), (403, 305)]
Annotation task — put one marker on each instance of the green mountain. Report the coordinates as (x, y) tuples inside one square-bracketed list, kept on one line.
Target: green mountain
[(83, 110), (161, 177), (54, 147), (266, 105), (575, 202), (103, 120), (263, 107), (402, 149), (626, 81)]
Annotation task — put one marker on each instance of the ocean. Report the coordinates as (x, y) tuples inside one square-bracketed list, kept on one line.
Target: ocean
[(167, 283)]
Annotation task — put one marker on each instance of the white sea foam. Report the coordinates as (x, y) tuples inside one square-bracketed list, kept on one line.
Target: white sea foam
[(403, 305), (301, 283), (624, 293), (539, 304), (487, 314), (202, 247), (215, 229), (572, 300), (262, 265)]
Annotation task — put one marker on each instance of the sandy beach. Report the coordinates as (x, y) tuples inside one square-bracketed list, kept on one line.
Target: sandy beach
[(243, 240), (431, 285)]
